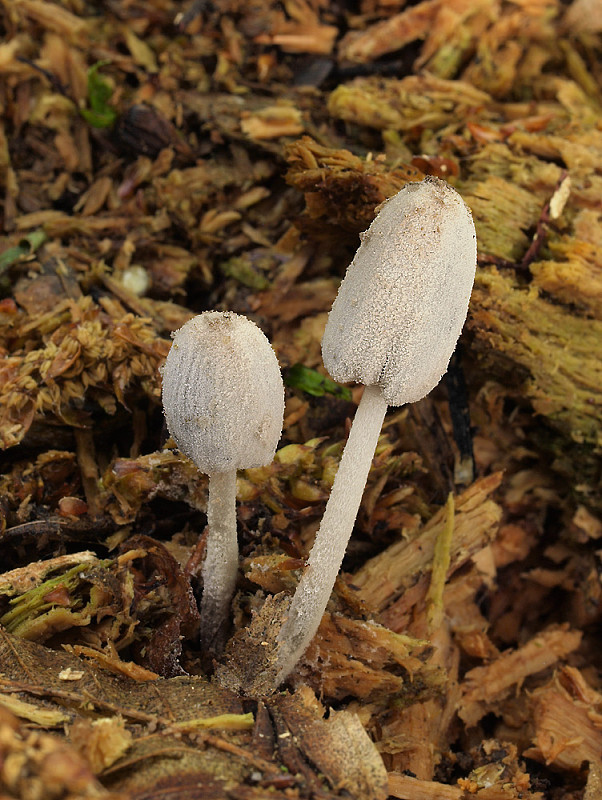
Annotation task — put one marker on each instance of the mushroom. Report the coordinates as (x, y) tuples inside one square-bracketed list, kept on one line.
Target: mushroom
[(393, 327), (223, 399)]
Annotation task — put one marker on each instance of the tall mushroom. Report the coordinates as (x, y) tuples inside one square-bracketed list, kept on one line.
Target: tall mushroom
[(393, 327), (223, 399)]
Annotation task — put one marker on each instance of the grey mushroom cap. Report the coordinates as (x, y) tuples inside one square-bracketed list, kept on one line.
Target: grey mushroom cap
[(223, 394), (402, 304)]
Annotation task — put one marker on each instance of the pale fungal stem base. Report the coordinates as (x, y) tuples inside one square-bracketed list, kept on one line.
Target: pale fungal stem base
[(325, 559), (221, 560)]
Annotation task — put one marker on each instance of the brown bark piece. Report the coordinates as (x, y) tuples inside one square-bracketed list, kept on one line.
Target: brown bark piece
[(466, 621), (408, 788), (338, 747), (202, 192), (390, 34), (364, 660), (404, 565), (484, 687), (567, 715), (413, 737)]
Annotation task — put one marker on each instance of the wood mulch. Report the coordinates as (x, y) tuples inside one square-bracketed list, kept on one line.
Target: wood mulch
[(160, 158)]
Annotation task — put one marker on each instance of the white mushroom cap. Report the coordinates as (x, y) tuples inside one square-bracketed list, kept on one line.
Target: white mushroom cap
[(402, 304), (223, 394)]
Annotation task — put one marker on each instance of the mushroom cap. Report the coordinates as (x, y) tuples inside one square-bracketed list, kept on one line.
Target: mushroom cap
[(402, 304), (223, 394)]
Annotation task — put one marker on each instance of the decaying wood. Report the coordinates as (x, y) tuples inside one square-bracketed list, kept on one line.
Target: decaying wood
[(568, 722), (483, 687), (547, 367), (407, 788), (162, 158), (116, 722), (403, 568)]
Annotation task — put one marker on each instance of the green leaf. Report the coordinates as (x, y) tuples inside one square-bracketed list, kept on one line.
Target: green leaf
[(99, 114), (25, 249), (97, 120), (311, 382)]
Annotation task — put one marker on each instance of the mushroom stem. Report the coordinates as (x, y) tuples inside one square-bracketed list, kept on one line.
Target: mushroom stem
[(221, 560), (326, 556)]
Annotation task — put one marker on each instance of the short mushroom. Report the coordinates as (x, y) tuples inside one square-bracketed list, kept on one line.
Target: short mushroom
[(393, 327), (223, 399)]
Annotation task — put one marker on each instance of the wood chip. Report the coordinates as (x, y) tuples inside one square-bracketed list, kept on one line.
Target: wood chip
[(483, 687)]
